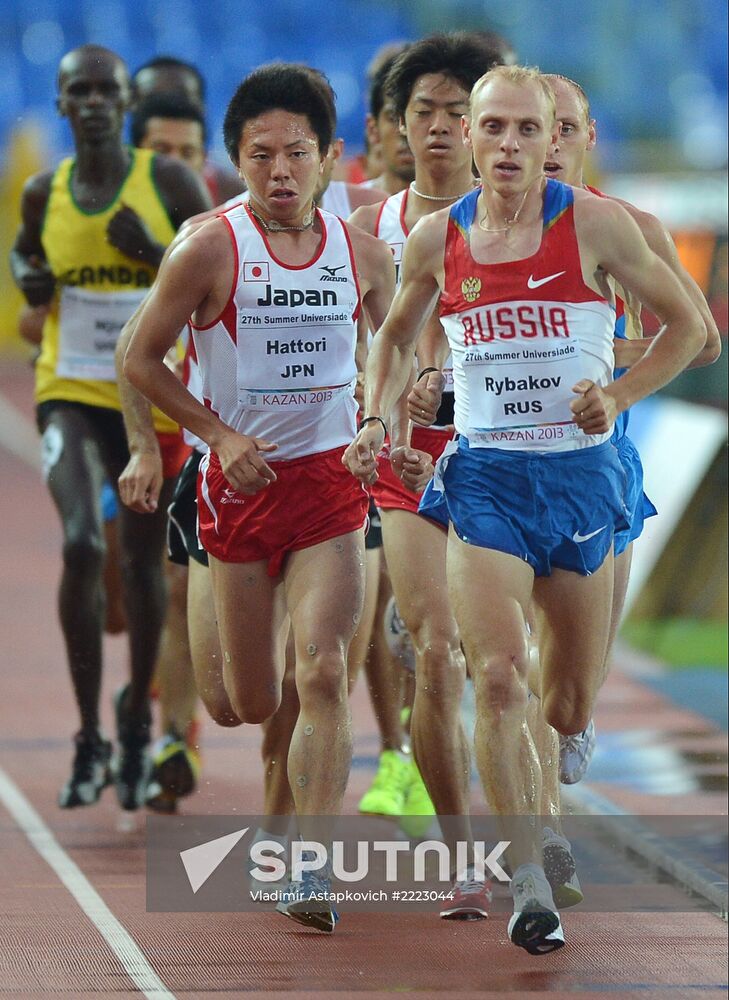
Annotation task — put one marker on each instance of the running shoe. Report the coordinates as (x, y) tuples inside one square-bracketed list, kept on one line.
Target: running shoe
[(471, 898), (397, 637), (386, 794), (575, 754), (175, 773), (90, 774), (308, 902), (418, 809), (560, 869), (132, 764), (535, 924)]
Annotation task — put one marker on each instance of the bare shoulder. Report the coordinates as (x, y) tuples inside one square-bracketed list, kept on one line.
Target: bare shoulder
[(36, 191), (365, 217), (428, 234), (360, 196), (593, 214), (204, 247), (653, 230), (369, 251)]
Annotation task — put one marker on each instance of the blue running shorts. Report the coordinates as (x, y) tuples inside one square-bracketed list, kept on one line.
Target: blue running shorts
[(638, 504), (554, 511)]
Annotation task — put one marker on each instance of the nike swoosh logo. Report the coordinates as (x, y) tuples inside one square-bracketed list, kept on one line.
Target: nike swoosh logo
[(533, 282), (577, 537)]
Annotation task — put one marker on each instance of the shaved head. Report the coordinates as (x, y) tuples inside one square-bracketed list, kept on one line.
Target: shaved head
[(89, 55)]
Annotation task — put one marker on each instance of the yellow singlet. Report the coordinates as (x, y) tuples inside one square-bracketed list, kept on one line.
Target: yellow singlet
[(97, 287)]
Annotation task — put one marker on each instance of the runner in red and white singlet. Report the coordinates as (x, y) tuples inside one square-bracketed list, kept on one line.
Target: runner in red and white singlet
[(274, 289)]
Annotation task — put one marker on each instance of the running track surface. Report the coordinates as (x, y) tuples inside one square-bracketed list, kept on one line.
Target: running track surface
[(51, 947)]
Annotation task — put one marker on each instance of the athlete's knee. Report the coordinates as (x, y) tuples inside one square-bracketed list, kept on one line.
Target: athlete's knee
[(84, 552), (255, 707), (321, 676), (568, 712), (499, 684), (441, 666)]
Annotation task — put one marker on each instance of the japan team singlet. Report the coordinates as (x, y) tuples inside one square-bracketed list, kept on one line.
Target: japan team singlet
[(97, 287), (522, 333), (279, 362)]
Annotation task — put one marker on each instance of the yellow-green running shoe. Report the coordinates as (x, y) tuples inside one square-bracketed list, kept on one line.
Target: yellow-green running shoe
[(386, 794), (418, 810)]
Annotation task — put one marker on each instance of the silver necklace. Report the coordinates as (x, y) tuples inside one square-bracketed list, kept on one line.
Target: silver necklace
[(436, 197), (275, 227)]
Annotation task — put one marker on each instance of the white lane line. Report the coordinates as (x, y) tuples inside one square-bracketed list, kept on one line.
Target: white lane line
[(125, 948), (18, 434)]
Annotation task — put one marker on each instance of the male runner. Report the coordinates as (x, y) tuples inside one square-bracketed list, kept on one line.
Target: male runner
[(91, 237), (533, 487), (167, 75), (383, 132), (428, 87), (275, 344)]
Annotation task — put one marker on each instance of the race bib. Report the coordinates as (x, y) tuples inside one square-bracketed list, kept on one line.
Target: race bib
[(90, 324), (523, 388), (294, 399)]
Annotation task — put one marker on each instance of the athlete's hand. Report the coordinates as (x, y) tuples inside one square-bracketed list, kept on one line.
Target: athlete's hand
[(412, 467), (141, 481), (36, 281), (243, 464), (424, 398), (128, 233), (361, 455), (594, 409)]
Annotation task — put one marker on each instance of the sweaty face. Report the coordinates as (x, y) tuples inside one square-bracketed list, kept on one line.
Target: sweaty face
[(396, 155), (433, 122), (566, 159), (168, 80), (510, 131), (176, 137), (280, 162), (94, 95)]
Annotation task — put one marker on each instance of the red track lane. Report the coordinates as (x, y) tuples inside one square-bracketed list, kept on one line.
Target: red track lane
[(50, 948)]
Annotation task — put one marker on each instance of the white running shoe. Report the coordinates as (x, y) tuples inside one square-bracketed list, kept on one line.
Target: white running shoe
[(535, 925), (575, 754), (560, 869), (397, 637)]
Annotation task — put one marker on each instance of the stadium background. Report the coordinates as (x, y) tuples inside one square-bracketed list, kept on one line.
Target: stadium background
[(656, 74)]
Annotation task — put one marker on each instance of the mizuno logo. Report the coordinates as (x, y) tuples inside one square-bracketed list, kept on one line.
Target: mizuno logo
[(331, 273), (533, 282), (577, 537), (332, 270)]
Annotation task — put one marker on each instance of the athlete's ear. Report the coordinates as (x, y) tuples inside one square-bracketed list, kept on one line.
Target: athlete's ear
[(61, 106), (591, 134), (466, 131), (372, 132), (336, 149), (402, 127)]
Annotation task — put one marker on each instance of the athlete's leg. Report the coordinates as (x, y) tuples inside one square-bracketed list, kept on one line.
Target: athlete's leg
[(142, 539), (490, 593), (621, 578), (207, 660), (174, 676), (573, 643), (252, 625), (415, 549), (324, 595), (278, 801), (74, 474), (360, 645)]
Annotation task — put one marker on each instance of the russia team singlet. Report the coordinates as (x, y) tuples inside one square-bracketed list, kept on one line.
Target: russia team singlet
[(523, 333), (97, 287), (279, 362)]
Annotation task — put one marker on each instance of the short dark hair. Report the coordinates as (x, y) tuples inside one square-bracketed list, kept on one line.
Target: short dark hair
[(285, 86), (163, 105), (379, 77), (170, 62), (462, 56)]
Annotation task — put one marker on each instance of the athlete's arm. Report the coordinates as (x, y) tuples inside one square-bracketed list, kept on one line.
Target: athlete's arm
[(392, 354), (433, 350), (194, 280), (28, 261), (183, 194), (365, 218), (610, 240), (659, 240)]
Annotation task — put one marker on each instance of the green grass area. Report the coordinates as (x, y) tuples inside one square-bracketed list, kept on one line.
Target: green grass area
[(681, 642)]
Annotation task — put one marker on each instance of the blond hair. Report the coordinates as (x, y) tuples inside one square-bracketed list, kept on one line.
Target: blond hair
[(518, 75)]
